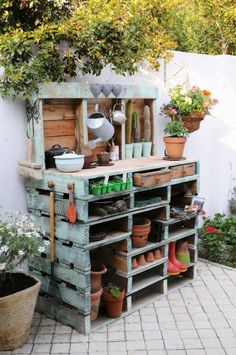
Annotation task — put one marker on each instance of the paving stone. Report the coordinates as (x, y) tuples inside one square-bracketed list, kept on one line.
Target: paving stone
[(202, 324), (174, 343), (138, 335), (188, 334), (225, 333), (195, 352), (129, 327), (116, 346), (215, 351), (63, 329), (62, 348), (184, 325), (206, 333), (77, 348), (96, 346), (136, 345), (98, 337), (192, 344), (211, 343), (167, 325), (41, 348), (152, 334), (116, 336), (43, 338), (176, 352), (229, 342), (79, 338), (230, 351), (61, 338), (154, 345), (157, 352)]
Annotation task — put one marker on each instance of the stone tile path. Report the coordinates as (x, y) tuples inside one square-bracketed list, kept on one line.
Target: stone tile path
[(199, 319)]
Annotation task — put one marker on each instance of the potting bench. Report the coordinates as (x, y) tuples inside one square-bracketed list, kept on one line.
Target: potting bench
[(62, 112)]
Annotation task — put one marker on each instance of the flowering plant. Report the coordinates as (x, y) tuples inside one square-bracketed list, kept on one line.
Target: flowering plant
[(19, 239), (183, 103)]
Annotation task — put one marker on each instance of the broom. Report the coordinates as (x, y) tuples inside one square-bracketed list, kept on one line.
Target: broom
[(28, 169)]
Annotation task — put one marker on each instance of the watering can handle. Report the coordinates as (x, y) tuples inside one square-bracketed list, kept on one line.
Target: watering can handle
[(121, 105), (98, 108)]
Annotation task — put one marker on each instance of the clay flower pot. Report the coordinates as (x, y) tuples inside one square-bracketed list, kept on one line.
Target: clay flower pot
[(134, 263), (141, 260), (103, 158), (97, 270), (113, 305), (140, 230), (157, 254), (149, 257), (174, 147), (95, 303)]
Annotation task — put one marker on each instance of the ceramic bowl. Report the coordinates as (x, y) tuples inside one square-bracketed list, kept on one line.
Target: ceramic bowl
[(69, 162)]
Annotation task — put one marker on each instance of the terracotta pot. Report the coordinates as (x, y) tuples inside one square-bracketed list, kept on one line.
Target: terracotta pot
[(141, 260), (103, 158), (174, 147), (113, 305), (97, 270), (157, 254), (149, 257), (140, 230), (95, 303), (134, 263), (17, 309)]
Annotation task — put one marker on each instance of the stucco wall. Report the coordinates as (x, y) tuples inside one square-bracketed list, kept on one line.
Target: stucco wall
[(214, 144)]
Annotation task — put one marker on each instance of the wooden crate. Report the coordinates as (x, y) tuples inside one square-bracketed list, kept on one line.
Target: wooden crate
[(182, 170), (151, 178)]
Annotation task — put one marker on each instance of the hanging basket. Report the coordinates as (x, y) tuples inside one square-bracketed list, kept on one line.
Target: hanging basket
[(192, 121)]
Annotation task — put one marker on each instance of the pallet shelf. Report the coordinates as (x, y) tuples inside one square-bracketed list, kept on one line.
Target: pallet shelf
[(63, 110)]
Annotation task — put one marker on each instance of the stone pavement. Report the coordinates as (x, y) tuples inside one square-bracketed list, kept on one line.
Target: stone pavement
[(199, 319)]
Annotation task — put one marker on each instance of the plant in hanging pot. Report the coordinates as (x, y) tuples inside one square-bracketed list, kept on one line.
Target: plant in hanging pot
[(113, 297), (176, 136), (19, 239), (189, 106)]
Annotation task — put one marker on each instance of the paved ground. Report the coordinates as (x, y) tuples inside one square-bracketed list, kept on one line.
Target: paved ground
[(199, 319)]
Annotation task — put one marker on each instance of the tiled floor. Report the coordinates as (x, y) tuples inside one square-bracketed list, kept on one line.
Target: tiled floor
[(199, 319)]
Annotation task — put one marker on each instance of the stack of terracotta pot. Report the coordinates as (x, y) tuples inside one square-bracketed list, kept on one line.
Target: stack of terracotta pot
[(140, 231), (97, 270)]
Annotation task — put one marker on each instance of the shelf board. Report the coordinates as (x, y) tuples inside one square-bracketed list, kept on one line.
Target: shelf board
[(179, 234), (145, 297), (111, 238), (145, 282), (143, 268), (136, 251), (91, 198)]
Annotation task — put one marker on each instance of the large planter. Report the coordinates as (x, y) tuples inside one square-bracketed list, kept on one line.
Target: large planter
[(97, 270), (174, 147), (113, 305), (192, 121), (18, 297), (140, 230)]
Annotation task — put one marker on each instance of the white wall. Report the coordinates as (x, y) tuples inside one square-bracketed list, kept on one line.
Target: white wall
[(214, 144)]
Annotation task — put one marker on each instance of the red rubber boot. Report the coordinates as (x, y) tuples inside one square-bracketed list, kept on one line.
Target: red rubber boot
[(172, 270), (182, 267)]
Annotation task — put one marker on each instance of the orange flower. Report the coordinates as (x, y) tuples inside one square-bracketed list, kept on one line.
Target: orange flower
[(206, 92)]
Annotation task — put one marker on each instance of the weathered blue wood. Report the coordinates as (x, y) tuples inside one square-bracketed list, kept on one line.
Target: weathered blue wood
[(64, 314), (82, 90), (64, 273), (108, 240), (71, 297), (70, 255)]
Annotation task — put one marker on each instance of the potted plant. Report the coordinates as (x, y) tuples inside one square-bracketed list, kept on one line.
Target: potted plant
[(113, 297), (175, 139), (189, 106), (19, 239)]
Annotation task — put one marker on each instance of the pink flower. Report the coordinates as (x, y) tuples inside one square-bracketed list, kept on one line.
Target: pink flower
[(203, 213), (215, 101), (173, 111), (195, 88), (211, 230)]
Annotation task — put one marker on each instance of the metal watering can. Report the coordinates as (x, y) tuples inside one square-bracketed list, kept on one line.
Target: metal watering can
[(118, 116), (100, 127)]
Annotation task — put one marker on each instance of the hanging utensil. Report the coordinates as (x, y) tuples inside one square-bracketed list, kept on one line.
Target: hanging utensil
[(71, 212)]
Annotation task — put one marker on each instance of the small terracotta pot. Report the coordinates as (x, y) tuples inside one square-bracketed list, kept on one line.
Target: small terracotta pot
[(157, 254), (149, 257), (140, 230), (97, 270), (134, 263), (95, 303), (141, 260), (174, 146), (103, 158), (113, 305), (88, 161)]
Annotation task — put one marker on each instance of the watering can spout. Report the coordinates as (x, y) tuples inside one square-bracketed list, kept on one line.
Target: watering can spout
[(100, 127)]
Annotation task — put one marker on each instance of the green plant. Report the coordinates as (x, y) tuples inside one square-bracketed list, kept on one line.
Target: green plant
[(176, 129), (183, 103), (216, 235), (114, 290), (19, 239)]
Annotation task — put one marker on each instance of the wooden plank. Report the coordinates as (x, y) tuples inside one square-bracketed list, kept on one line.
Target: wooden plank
[(59, 128), (141, 269), (111, 238), (82, 90), (63, 313), (71, 297), (81, 280), (67, 141)]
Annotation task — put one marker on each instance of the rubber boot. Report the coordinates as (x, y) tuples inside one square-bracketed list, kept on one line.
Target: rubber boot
[(182, 253), (172, 269), (182, 267)]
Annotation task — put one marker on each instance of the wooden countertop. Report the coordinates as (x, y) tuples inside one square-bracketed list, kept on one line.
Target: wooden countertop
[(120, 167)]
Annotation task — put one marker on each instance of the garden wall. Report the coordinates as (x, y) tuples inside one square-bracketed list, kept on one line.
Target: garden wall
[(214, 144)]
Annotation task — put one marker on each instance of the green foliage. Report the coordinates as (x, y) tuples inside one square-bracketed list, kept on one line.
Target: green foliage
[(61, 38), (114, 290), (176, 129), (216, 234)]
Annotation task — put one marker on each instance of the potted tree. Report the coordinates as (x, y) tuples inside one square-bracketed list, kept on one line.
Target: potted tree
[(175, 139), (113, 297), (19, 239), (189, 106)]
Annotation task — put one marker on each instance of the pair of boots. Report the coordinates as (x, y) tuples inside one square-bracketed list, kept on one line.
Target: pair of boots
[(175, 266)]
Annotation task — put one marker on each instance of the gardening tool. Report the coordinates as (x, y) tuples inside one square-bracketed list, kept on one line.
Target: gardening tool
[(53, 289), (71, 212), (28, 169)]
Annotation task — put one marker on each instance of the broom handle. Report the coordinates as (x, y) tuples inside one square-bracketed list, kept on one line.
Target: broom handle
[(52, 227)]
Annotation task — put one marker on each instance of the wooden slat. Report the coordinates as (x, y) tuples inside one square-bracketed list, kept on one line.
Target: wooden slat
[(59, 128), (68, 141), (58, 111)]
